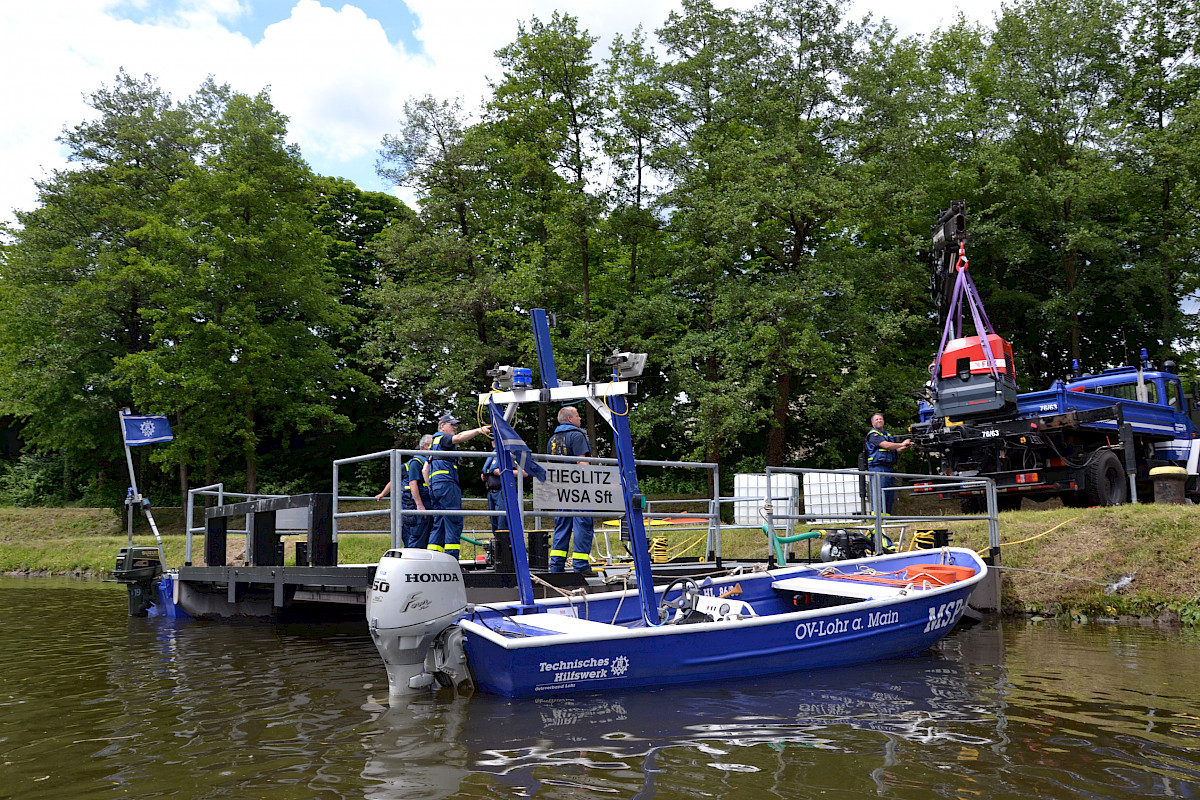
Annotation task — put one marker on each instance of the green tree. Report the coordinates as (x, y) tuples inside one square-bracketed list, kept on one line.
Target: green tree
[(714, 407), (1056, 65), (1159, 106), (244, 317), (436, 325), (353, 221), (915, 129), (762, 190), (81, 272), (547, 108), (635, 99)]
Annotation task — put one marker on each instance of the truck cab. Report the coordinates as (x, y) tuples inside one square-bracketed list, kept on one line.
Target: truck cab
[(1155, 387)]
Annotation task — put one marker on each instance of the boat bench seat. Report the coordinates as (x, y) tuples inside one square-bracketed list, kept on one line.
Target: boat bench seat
[(561, 623), (863, 591)]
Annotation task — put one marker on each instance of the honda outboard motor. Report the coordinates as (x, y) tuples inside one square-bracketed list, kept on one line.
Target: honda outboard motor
[(412, 607)]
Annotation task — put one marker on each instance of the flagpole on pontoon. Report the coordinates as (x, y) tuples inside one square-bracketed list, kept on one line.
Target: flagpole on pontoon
[(137, 496)]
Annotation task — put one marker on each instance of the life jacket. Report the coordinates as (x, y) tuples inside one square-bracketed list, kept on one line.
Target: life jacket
[(490, 479), (876, 455), (557, 445), (441, 468), (408, 468)]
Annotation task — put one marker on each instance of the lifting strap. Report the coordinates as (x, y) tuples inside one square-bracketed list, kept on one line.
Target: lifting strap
[(964, 287)]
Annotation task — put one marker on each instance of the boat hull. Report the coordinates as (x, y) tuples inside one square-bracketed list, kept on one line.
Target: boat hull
[(589, 656)]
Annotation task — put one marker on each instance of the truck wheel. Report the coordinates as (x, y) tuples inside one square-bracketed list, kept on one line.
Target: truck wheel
[(1106, 485)]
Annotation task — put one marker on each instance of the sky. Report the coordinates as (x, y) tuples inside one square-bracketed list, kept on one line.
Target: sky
[(341, 71)]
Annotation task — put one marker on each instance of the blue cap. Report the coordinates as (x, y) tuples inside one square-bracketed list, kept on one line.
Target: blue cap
[(450, 418)]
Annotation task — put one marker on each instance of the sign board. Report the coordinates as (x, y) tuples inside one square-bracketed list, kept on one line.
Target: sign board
[(578, 487), (291, 519)]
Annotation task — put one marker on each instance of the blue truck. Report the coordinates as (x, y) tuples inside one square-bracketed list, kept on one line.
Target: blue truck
[(1091, 440), (1082, 440)]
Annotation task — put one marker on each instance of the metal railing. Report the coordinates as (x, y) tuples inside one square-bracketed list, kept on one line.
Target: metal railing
[(872, 494), (396, 512), (868, 500), (218, 491)]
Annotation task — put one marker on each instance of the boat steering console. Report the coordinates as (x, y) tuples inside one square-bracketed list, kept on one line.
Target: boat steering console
[(693, 606)]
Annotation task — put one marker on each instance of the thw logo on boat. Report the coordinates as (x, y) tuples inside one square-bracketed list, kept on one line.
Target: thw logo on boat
[(944, 615)]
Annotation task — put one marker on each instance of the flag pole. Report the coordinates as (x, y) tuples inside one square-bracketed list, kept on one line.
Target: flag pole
[(137, 496)]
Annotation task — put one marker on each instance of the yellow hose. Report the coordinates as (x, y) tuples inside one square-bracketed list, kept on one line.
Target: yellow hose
[(1031, 538)]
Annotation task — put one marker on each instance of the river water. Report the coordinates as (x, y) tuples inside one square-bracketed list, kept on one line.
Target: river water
[(96, 705)]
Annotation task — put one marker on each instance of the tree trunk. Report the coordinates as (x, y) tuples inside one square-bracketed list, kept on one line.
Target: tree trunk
[(1070, 262), (1070, 270), (712, 454), (251, 472), (590, 421), (1169, 302), (210, 473), (251, 452), (183, 485), (183, 473), (543, 437), (633, 244), (777, 435)]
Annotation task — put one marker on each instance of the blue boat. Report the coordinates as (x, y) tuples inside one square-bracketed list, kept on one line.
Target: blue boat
[(741, 625)]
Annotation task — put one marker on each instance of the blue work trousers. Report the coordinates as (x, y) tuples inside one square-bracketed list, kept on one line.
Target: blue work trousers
[(496, 503), (885, 481), (560, 546), (447, 530), (415, 532)]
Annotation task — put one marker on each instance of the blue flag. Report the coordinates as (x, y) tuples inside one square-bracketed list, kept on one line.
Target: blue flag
[(145, 430), (507, 438)]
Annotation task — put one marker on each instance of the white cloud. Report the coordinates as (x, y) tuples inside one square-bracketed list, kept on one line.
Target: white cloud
[(336, 75), (329, 66)]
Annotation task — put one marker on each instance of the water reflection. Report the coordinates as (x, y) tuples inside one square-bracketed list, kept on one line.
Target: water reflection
[(997, 712), (612, 742), (418, 753), (93, 704)]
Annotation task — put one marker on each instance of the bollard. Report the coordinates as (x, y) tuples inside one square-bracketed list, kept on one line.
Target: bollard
[(1168, 484)]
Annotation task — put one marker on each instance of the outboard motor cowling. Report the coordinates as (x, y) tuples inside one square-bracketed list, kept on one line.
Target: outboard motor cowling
[(415, 596), (140, 569)]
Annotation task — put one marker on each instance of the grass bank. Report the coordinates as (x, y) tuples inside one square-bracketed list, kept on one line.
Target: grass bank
[(1056, 560)]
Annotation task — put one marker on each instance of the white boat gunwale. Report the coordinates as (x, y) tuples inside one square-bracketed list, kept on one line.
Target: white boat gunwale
[(592, 630)]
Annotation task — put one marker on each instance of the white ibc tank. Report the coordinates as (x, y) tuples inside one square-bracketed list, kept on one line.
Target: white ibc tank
[(416, 595), (751, 489), (833, 496)]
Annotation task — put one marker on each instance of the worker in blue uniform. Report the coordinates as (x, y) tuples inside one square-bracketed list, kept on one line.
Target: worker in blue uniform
[(444, 485), (414, 497), (882, 455), (570, 440)]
